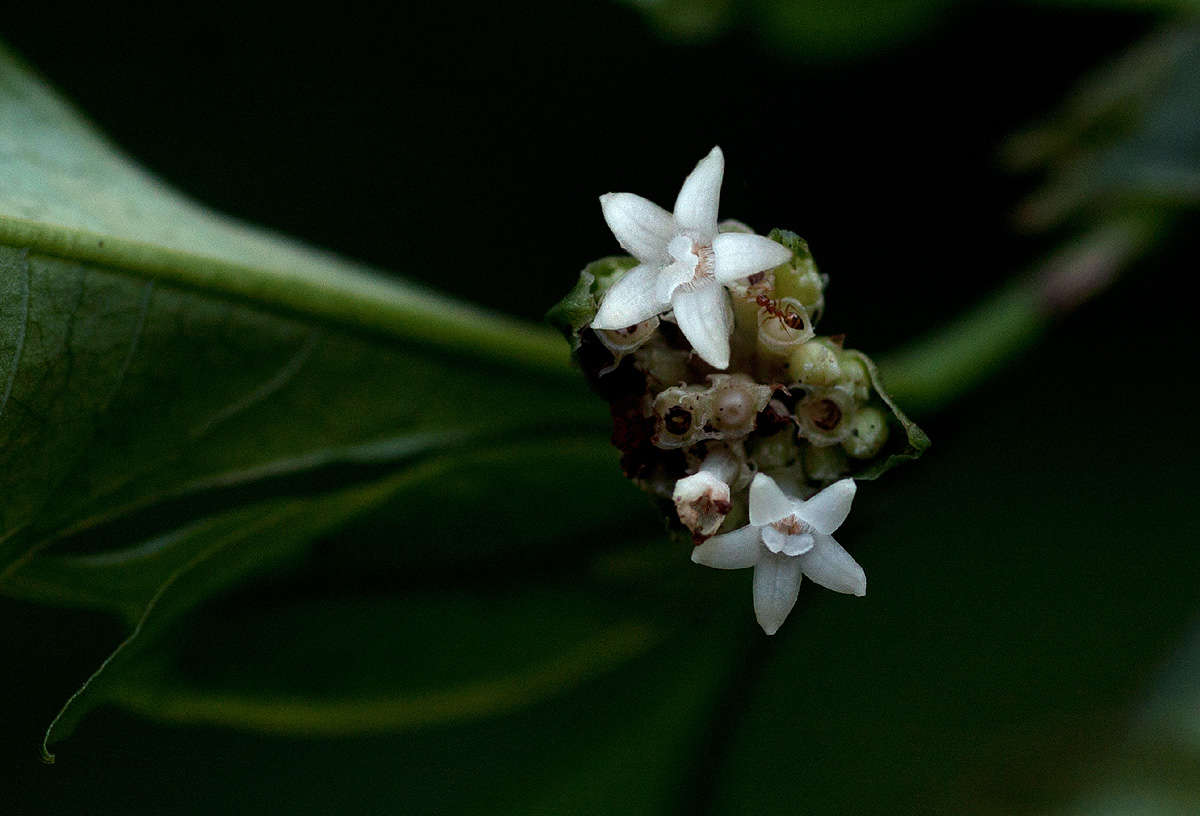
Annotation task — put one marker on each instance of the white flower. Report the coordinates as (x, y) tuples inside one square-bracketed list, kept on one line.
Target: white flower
[(786, 538), (682, 261)]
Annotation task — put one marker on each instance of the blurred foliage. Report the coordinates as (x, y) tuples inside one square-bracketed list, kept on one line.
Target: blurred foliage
[(1126, 142), (830, 30), (1119, 166), (803, 28)]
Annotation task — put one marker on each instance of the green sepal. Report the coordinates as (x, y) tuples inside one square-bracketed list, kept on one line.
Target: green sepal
[(575, 311), (897, 449), (802, 257), (798, 279)]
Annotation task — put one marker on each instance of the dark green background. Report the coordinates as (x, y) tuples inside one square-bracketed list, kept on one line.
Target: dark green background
[(1028, 580)]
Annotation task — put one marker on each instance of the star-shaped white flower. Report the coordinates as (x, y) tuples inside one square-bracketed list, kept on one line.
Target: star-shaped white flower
[(682, 261), (785, 539)]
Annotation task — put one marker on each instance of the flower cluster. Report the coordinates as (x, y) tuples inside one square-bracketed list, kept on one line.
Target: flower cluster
[(727, 407)]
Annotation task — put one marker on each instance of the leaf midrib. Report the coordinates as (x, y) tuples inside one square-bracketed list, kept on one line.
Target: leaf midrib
[(333, 294)]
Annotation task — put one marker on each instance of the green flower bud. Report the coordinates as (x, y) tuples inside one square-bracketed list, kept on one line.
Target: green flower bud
[(662, 365), (815, 363), (800, 279), (868, 432), (855, 376), (745, 315), (804, 285), (825, 464), (777, 451)]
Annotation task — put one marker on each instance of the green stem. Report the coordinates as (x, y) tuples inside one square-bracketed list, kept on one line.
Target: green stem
[(936, 369)]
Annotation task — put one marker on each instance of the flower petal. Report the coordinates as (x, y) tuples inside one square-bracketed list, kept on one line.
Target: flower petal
[(736, 550), (737, 255), (696, 205), (826, 511), (700, 483), (642, 228), (704, 319), (670, 278), (630, 300), (776, 585), (768, 504), (832, 567), (798, 544), (780, 542)]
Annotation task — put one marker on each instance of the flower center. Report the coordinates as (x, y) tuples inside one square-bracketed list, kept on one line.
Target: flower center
[(792, 526), (695, 257), (789, 536)]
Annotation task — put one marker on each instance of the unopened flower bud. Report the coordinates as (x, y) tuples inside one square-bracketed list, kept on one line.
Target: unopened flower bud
[(868, 431), (800, 278), (663, 366), (815, 363), (777, 451), (855, 375), (805, 285), (825, 464)]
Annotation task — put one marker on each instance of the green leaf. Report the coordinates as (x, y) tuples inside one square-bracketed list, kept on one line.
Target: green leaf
[(185, 400), (149, 348), (153, 583), (633, 691)]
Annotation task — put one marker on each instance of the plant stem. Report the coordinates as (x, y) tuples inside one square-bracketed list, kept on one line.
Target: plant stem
[(936, 369)]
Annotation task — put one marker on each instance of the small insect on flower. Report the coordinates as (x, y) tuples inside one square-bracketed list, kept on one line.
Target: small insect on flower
[(789, 318)]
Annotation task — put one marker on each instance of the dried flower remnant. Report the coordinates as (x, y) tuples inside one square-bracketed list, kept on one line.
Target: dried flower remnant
[(788, 420), (702, 500)]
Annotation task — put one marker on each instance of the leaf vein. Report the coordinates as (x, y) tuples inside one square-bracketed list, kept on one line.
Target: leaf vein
[(163, 588), (276, 382), (138, 330), (20, 344)]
